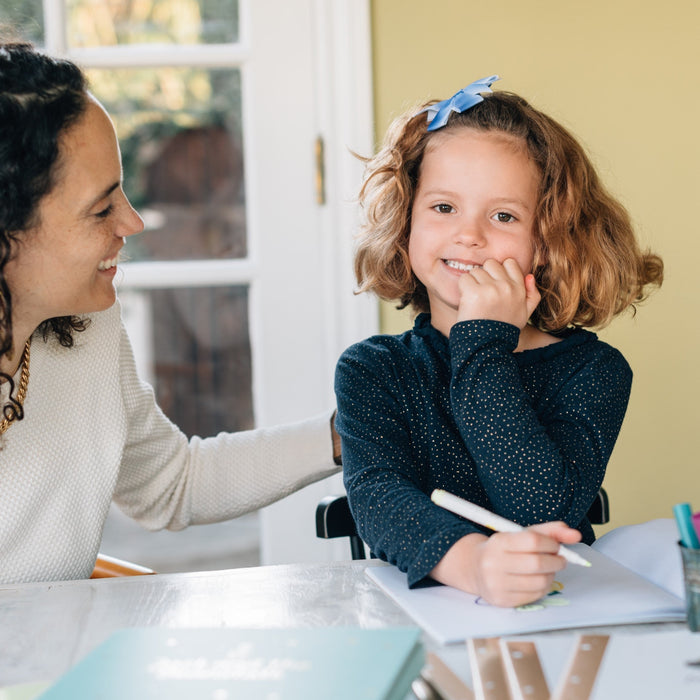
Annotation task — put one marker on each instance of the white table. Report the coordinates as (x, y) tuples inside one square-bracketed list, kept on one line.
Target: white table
[(45, 628)]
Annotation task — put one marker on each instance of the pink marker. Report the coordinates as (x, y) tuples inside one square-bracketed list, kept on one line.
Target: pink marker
[(696, 523)]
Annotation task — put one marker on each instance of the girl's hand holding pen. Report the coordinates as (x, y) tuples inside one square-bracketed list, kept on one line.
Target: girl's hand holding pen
[(498, 292), (507, 569)]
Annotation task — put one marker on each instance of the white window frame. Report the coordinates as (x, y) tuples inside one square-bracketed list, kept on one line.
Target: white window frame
[(166, 274)]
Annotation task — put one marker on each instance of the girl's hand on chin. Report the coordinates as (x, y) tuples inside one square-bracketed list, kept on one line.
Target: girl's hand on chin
[(498, 292)]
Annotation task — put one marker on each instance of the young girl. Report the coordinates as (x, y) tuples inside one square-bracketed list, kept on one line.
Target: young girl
[(488, 219)]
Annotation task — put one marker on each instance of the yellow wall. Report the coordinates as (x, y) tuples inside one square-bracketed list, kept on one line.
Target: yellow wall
[(624, 76)]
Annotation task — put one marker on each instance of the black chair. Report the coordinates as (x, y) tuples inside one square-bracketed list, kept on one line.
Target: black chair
[(334, 519)]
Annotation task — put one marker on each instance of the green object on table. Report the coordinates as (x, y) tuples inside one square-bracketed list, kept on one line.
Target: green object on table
[(343, 663), (23, 691)]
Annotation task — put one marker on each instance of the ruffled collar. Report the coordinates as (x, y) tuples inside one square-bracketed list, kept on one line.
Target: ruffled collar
[(423, 327)]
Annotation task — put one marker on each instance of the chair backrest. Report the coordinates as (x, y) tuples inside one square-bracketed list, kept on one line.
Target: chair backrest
[(334, 519)]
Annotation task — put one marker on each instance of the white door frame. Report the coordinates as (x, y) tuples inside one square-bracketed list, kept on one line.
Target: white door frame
[(341, 62)]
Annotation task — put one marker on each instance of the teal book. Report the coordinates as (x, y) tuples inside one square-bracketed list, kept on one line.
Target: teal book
[(220, 663)]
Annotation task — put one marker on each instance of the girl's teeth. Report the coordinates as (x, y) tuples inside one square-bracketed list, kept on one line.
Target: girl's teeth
[(461, 266)]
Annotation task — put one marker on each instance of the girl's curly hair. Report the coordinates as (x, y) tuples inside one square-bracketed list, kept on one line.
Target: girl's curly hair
[(40, 97), (587, 263)]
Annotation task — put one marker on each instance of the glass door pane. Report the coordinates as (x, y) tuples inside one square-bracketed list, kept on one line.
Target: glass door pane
[(94, 23), (181, 141), (22, 20), (201, 358)]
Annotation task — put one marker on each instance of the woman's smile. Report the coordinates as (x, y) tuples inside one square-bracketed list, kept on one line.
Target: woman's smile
[(109, 264)]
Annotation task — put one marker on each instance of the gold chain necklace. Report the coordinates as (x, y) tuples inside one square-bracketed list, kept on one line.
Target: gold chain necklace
[(21, 387)]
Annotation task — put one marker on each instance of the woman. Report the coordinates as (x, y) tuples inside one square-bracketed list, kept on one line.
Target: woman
[(85, 430)]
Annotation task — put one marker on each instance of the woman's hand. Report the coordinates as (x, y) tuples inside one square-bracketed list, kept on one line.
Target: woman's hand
[(509, 568), (498, 292)]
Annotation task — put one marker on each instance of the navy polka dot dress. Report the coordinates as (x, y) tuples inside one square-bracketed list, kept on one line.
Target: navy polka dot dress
[(527, 435)]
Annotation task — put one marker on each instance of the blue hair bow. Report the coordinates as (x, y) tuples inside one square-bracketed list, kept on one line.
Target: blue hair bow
[(461, 101)]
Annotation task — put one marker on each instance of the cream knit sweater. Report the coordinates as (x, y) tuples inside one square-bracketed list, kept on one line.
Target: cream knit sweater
[(92, 433)]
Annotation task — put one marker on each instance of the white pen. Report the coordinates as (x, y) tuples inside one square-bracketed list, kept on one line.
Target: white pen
[(495, 522)]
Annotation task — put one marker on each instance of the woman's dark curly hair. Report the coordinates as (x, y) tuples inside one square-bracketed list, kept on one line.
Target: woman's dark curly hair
[(40, 97)]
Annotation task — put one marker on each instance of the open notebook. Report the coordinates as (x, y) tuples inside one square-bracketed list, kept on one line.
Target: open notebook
[(607, 593)]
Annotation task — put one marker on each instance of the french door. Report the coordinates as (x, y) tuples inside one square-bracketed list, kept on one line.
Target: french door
[(236, 120)]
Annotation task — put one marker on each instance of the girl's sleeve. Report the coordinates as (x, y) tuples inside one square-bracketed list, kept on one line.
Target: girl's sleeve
[(393, 515), (536, 463), (168, 481)]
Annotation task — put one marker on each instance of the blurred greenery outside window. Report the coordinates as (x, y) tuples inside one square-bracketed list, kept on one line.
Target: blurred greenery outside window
[(22, 19), (95, 23), (181, 141)]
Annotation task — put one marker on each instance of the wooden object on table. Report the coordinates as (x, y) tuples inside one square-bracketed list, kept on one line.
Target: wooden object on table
[(109, 567)]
